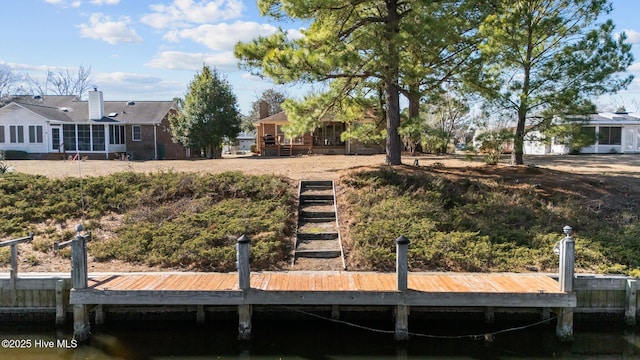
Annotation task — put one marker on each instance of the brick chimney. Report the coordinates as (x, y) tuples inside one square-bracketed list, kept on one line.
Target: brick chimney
[(263, 110), (96, 104)]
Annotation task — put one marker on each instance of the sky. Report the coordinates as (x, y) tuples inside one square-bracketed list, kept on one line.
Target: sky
[(152, 49)]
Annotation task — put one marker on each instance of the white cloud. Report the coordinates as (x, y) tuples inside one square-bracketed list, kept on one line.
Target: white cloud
[(634, 67), (222, 36), (182, 12), (125, 78), (178, 60), (632, 36), (76, 3), (131, 86), (251, 77), (105, 2), (104, 28)]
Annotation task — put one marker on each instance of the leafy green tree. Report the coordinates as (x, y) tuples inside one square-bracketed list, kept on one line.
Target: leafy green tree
[(272, 98), (355, 45), (207, 115), (546, 58)]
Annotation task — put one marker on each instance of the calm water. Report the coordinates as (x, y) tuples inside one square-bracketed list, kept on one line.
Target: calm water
[(313, 339)]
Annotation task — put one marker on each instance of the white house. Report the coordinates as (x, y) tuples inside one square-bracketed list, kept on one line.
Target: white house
[(55, 126), (617, 133)]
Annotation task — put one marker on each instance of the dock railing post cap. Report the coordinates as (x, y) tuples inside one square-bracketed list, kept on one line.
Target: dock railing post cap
[(243, 239), (402, 240), (567, 230)]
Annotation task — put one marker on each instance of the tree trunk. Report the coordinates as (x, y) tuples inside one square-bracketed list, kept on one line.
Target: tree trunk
[(392, 89), (414, 101), (517, 156), (394, 145), (216, 152)]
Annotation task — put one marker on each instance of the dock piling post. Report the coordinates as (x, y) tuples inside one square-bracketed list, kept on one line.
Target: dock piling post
[(402, 323), (100, 315), (402, 262), (402, 275), (631, 307), (14, 266), (79, 279), (242, 256), (61, 313), (564, 327), (244, 283)]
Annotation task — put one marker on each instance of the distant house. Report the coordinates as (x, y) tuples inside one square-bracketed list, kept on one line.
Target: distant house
[(54, 127), (613, 133), (325, 139), (243, 143)]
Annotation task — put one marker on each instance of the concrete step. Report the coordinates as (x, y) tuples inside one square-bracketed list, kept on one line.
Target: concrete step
[(319, 253), (318, 236), (308, 198), (304, 220), (318, 214)]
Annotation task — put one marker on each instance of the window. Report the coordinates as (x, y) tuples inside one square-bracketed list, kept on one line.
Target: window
[(136, 133), (329, 134), (35, 134), (610, 135), (55, 138), (1, 134), (116, 135), (69, 137), (16, 134), (97, 135), (84, 137)]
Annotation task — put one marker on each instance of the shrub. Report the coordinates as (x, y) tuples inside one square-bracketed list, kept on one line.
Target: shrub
[(5, 255), (479, 225)]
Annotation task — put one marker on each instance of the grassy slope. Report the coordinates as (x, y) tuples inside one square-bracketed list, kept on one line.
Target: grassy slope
[(492, 218), (458, 219)]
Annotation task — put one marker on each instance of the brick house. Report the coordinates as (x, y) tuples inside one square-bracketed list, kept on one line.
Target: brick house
[(325, 139)]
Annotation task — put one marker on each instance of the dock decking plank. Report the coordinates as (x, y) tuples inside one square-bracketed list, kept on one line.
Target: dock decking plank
[(318, 281)]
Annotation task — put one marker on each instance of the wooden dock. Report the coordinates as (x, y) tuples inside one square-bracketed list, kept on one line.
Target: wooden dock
[(336, 288), (400, 290)]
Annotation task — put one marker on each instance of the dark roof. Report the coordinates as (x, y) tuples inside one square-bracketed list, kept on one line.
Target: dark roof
[(70, 109)]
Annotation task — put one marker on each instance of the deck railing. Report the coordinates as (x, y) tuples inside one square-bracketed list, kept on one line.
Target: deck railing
[(14, 256)]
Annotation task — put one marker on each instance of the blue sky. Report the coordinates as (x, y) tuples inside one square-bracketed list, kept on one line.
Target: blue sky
[(151, 49)]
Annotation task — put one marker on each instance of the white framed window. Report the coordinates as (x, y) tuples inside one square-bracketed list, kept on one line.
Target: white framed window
[(16, 134), (35, 134), (136, 133)]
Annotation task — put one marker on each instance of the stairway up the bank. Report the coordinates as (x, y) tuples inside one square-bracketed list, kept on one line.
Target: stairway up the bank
[(318, 244)]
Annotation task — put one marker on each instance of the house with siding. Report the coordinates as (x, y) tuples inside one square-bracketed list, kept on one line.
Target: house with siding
[(614, 133), (326, 139), (59, 126)]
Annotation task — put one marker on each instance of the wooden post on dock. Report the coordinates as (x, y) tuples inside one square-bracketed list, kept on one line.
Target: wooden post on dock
[(402, 275), (13, 272), (564, 327), (61, 311), (79, 280), (244, 283), (631, 307)]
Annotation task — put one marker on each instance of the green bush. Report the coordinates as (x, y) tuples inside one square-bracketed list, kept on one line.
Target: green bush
[(5, 255), (475, 224)]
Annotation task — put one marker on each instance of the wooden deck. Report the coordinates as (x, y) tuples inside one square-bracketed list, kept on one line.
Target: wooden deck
[(336, 288)]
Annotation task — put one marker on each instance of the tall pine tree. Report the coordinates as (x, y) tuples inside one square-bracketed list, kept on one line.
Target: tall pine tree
[(362, 44), (546, 58)]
